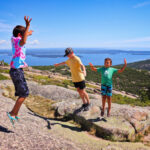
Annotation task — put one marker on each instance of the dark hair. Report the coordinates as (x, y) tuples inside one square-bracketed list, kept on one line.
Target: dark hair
[(18, 29), (108, 59)]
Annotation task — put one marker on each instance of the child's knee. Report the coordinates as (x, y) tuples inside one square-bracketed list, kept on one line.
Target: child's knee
[(104, 97), (81, 91), (109, 98)]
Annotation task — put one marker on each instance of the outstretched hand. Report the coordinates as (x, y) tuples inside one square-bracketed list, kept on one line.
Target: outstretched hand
[(91, 64), (27, 20), (30, 32), (92, 67)]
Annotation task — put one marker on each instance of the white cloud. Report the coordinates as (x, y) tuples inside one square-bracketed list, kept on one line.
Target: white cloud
[(34, 42), (2, 42), (141, 4)]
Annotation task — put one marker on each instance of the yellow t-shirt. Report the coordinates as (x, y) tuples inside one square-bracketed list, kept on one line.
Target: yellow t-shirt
[(75, 67)]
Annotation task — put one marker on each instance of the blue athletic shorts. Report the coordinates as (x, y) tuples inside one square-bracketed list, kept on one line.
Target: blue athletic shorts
[(106, 90), (21, 88)]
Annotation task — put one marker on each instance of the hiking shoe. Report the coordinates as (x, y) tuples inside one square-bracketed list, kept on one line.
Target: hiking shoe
[(83, 105), (86, 108)]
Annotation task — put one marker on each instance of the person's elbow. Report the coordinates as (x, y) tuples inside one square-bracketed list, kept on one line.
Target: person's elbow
[(23, 42), (83, 67)]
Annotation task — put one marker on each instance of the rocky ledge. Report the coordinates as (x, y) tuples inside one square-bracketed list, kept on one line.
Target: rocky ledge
[(126, 123)]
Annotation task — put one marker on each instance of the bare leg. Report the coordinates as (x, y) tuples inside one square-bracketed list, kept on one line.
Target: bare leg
[(103, 103), (17, 106), (81, 95), (86, 96), (109, 105)]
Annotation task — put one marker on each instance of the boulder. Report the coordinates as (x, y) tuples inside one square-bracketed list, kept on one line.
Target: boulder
[(124, 124)]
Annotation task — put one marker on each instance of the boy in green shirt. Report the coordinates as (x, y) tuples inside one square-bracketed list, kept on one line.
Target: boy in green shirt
[(106, 81)]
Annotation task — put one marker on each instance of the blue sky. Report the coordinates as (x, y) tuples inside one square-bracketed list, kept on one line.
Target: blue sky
[(115, 24)]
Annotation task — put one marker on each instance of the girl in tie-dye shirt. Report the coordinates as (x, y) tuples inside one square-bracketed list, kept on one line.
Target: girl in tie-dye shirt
[(17, 64), (19, 54)]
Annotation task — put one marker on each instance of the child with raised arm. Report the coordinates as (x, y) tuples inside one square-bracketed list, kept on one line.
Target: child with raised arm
[(106, 81), (78, 74), (18, 40)]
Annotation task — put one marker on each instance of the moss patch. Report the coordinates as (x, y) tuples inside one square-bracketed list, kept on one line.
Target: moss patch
[(2, 77), (45, 80), (37, 104)]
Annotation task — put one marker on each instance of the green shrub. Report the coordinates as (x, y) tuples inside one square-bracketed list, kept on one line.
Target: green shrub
[(119, 99), (4, 71)]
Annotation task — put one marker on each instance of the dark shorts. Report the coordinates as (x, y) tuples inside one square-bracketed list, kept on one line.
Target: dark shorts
[(21, 88), (80, 85), (106, 90)]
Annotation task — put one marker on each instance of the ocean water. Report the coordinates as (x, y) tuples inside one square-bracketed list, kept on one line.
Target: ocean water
[(41, 57)]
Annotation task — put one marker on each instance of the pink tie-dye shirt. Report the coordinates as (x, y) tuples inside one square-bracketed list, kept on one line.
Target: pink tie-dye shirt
[(19, 54)]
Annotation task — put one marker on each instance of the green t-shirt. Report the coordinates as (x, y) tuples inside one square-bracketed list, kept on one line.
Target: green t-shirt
[(107, 74)]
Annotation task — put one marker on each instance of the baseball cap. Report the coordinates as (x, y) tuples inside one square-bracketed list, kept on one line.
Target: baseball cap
[(68, 51)]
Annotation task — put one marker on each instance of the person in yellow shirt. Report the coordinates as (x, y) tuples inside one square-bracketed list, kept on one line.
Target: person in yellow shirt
[(78, 73)]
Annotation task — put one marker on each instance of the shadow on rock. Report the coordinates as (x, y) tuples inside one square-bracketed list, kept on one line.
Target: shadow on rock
[(3, 129), (78, 110), (50, 124), (44, 118), (69, 127), (97, 119)]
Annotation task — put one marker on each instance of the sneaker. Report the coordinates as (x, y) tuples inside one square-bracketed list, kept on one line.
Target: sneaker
[(86, 108), (83, 105)]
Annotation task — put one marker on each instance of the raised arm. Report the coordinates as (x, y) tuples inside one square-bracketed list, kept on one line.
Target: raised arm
[(92, 67), (122, 69), (59, 64), (27, 32)]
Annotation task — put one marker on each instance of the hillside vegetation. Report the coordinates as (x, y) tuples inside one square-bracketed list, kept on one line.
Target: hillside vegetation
[(131, 80)]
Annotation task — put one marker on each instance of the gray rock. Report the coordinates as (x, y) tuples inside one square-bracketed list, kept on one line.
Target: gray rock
[(30, 133), (125, 123)]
